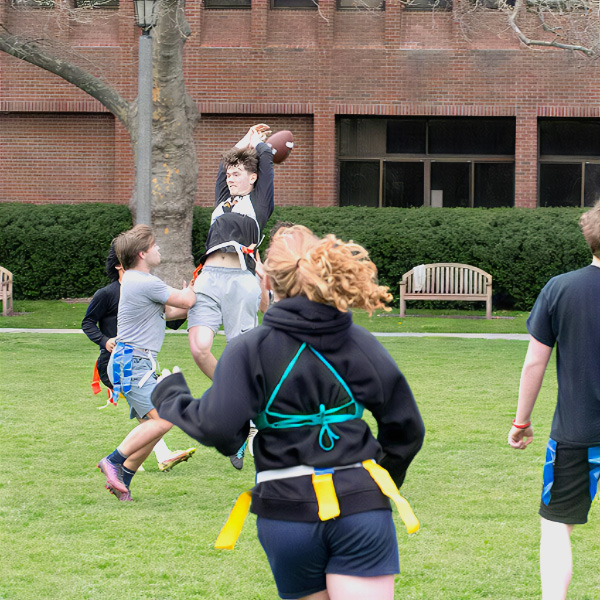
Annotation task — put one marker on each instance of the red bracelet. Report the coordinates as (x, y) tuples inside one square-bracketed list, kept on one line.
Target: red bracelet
[(524, 426)]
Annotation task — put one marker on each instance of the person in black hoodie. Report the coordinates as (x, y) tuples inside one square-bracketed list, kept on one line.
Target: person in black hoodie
[(303, 377)]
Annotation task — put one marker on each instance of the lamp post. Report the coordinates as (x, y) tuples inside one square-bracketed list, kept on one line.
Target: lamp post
[(145, 16)]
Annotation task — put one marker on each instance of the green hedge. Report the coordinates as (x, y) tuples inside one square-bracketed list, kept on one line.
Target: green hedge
[(59, 251)]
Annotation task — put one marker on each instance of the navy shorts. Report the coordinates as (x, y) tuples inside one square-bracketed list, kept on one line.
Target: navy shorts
[(570, 483), (301, 554)]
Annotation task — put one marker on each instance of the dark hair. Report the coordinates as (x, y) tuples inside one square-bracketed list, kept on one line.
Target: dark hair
[(241, 157), (112, 262), (130, 243)]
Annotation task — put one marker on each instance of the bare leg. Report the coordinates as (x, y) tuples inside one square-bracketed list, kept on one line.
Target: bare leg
[(139, 442), (318, 596), (349, 587), (201, 340), (556, 560)]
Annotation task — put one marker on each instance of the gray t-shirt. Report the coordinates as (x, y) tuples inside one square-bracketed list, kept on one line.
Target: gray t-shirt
[(141, 318)]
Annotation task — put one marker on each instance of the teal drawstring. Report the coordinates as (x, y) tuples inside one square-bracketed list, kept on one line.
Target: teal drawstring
[(325, 429), (325, 417)]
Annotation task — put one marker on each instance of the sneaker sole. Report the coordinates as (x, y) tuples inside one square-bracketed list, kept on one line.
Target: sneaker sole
[(112, 481), (184, 458), (119, 495)]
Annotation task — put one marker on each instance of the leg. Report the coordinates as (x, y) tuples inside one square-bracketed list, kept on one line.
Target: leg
[(556, 559), (348, 587), (201, 340), (318, 596), (140, 441)]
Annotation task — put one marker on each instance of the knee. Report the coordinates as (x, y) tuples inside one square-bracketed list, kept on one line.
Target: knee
[(201, 343)]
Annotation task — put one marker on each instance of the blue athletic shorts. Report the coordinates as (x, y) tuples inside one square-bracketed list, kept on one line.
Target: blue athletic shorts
[(570, 484), (301, 554)]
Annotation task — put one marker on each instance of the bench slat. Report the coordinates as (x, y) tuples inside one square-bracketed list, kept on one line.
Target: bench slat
[(449, 281)]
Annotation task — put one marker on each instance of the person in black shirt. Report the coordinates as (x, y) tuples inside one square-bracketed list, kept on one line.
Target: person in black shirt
[(565, 314), (304, 377)]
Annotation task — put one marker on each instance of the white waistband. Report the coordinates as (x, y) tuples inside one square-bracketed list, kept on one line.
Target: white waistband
[(297, 471)]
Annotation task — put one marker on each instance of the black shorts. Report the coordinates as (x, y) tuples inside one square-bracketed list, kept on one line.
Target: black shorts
[(570, 483), (302, 554)]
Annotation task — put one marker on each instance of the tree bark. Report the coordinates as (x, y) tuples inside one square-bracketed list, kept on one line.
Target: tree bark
[(175, 116), (174, 160)]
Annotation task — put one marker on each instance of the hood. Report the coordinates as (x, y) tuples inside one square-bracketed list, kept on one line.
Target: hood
[(323, 327)]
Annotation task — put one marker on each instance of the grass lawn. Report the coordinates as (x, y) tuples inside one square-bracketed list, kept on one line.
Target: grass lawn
[(58, 314), (63, 536)]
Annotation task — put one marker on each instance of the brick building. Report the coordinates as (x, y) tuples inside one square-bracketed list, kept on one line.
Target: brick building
[(389, 106)]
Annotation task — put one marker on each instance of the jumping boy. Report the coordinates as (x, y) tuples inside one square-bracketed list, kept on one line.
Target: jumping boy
[(227, 289)]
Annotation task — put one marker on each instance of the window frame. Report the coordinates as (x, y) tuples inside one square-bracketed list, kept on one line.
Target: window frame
[(226, 5), (426, 158)]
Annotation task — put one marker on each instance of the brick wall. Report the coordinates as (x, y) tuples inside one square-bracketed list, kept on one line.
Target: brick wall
[(58, 157), (295, 69)]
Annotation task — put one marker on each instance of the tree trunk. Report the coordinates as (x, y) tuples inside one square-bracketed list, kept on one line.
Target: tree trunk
[(174, 162)]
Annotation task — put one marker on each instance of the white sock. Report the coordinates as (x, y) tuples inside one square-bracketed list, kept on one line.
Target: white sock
[(161, 451)]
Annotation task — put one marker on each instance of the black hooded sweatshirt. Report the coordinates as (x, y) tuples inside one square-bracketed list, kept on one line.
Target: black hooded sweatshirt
[(249, 370)]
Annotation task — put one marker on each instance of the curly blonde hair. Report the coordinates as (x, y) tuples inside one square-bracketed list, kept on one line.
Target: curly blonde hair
[(326, 270)]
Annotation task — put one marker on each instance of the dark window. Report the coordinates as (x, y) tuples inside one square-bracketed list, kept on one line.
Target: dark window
[(359, 183), (494, 185), (227, 3), (96, 3), (295, 4), (403, 184), (406, 136), (362, 137), (450, 184), (569, 137), (33, 3), (560, 184), (472, 136), (431, 160), (361, 4), (428, 5)]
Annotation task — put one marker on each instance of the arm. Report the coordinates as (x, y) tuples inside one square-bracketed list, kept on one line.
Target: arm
[(532, 375), (179, 302), (93, 316), (400, 427), (221, 189), (221, 417), (264, 191)]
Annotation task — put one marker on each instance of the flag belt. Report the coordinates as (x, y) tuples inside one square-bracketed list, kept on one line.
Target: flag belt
[(329, 508)]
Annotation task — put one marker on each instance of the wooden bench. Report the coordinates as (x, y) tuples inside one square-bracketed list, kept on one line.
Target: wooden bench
[(448, 281), (6, 291)]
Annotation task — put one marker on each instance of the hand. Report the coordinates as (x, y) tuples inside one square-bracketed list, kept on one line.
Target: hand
[(110, 344), (256, 134), (519, 439)]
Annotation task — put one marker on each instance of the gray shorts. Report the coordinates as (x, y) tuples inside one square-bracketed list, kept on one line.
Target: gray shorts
[(138, 398), (225, 296)]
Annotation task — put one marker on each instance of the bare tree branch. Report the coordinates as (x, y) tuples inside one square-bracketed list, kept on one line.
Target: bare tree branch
[(530, 42), (33, 54)]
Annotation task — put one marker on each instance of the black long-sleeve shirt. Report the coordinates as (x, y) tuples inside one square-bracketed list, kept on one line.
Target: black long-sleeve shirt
[(100, 321)]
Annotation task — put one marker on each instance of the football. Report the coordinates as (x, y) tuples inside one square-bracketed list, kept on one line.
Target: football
[(281, 144)]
